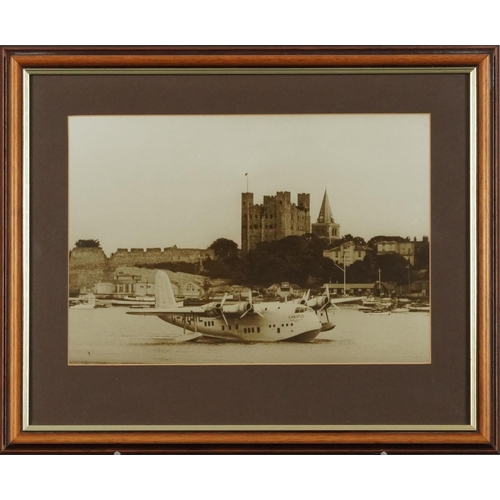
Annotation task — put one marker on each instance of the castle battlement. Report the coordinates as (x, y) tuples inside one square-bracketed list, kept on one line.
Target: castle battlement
[(276, 218), (88, 266)]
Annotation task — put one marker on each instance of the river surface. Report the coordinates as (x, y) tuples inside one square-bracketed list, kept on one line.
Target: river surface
[(109, 336)]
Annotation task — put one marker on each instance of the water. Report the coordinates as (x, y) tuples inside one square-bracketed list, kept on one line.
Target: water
[(109, 336)]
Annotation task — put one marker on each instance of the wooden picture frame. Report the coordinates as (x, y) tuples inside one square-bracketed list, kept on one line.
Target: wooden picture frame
[(478, 65)]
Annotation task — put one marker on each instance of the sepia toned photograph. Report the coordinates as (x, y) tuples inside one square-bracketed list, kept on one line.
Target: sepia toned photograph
[(249, 239)]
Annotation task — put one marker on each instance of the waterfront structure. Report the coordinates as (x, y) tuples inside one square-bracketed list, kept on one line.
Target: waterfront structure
[(412, 251), (140, 282), (90, 265), (358, 289), (377, 289), (325, 226), (347, 253), (276, 218), (404, 247)]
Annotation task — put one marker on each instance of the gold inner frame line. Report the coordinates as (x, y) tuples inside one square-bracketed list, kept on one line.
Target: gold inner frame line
[(473, 103)]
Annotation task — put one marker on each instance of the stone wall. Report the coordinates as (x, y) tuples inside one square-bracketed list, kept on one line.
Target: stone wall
[(141, 256), (88, 266)]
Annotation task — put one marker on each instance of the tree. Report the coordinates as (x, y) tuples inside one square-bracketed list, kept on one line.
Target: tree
[(358, 240), (394, 267), (224, 248), (296, 259), (87, 244)]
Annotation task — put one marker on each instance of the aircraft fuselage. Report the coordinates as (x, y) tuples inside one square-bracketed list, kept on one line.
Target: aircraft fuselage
[(271, 322)]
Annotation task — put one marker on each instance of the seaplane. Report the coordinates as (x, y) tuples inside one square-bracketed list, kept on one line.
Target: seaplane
[(322, 303), (244, 321)]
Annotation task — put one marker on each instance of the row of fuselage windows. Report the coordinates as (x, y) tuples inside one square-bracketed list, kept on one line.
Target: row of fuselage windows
[(245, 330)]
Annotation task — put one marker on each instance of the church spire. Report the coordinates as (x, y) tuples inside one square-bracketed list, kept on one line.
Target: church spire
[(325, 212)]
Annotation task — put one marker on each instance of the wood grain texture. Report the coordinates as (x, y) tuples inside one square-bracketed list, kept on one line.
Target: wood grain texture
[(484, 440), (484, 220), (14, 268), (233, 61), (3, 215)]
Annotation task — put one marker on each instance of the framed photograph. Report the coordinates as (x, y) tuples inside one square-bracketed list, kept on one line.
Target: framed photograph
[(236, 250)]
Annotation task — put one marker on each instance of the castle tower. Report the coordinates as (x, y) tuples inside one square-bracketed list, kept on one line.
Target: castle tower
[(275, 219), (325, 227)]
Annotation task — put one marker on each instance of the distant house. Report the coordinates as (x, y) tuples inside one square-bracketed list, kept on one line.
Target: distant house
[(125, 282), (144, 288), (104, 288), (193, 289), (358, 289), (404, 248), (347, 253), (382, 289)]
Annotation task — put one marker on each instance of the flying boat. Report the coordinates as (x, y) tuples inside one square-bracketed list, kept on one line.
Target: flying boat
[(244, 321), (322, 303)]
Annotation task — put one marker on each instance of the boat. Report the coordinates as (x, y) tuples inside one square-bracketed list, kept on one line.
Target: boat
[(130, 301), (366, 308), (400, 310), (419, 309), (83, 302)]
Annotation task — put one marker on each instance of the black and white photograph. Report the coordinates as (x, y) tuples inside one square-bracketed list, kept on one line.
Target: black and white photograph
[(249, 239)]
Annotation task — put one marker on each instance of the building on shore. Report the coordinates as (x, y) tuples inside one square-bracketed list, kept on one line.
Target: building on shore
[(347, 253), (325, 227), (90, 265), (139, 282), (377, 289), (356, 289), (415, 252), (276, 218)]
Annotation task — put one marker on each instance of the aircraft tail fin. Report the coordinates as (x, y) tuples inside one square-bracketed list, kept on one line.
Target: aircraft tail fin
[(163, 291)]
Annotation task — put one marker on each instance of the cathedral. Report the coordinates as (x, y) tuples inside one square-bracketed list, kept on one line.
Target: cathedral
[(325, 226), (277, 217)]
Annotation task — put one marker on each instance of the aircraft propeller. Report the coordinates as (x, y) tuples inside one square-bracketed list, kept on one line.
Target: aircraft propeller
[(305, 297), (220, 308), (327, 303), (251, 308)]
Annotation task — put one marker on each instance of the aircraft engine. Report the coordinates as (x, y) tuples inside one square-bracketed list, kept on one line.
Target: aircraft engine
[(321, 302), (239, 308)]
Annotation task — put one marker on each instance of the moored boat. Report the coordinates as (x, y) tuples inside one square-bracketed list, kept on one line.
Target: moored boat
[(419, 309), (129, 301), (400, 310)]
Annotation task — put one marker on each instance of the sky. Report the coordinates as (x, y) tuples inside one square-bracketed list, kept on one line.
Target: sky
[(159, 181)]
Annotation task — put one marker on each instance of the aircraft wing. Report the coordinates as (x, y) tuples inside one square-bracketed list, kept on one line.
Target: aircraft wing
[(176, 311), (346, 299)]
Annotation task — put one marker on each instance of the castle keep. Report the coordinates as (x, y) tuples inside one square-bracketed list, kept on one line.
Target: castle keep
[(275, 219)]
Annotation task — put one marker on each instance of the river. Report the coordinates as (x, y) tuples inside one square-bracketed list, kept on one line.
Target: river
[(109, 336)]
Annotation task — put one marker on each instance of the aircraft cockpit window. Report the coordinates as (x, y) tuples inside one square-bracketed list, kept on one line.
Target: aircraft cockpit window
[(300, 310)]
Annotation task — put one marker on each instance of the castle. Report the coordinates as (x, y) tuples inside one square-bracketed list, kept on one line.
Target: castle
[(275, 219), (88, 266), (278, 218)]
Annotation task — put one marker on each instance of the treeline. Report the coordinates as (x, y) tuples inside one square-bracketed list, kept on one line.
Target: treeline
[(299, 260)]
